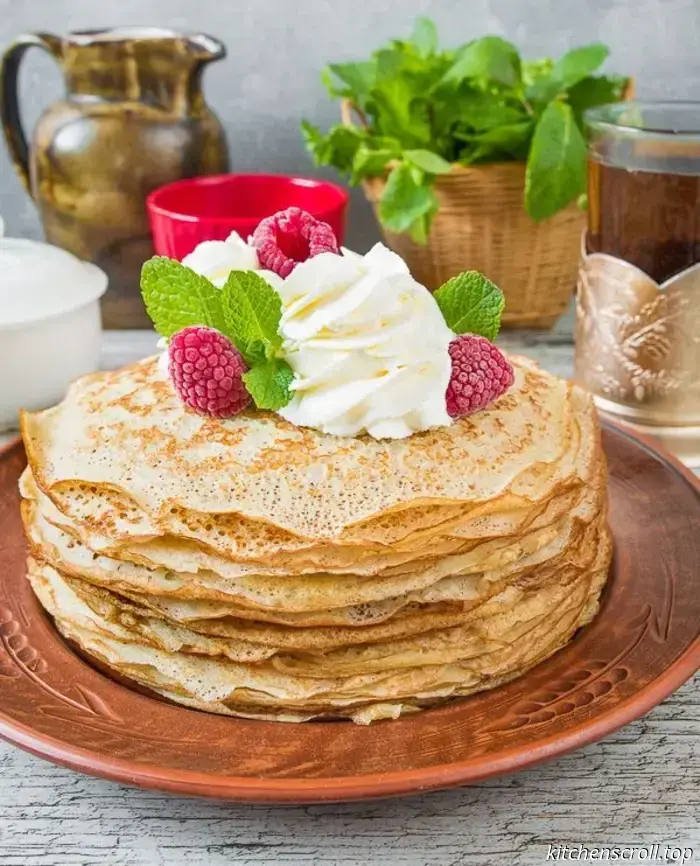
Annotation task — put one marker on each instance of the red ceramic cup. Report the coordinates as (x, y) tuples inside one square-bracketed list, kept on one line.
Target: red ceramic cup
[(209, 208)]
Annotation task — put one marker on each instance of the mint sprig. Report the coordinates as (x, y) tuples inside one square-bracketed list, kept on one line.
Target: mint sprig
[(177, 297), (246, 309), (252, 312), (471, 304), (269, 384)]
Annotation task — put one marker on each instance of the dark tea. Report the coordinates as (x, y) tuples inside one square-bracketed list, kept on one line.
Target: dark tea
[(650, 219), (644, 186)]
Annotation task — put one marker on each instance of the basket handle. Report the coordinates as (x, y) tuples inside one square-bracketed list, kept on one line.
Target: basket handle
[(347, 110), (628, 92)]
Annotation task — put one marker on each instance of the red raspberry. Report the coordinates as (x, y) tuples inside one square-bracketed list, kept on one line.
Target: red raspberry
[(480, 374), (206, 369), (289, 237)]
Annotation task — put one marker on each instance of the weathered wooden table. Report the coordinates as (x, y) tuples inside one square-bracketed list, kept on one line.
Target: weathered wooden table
[(640, 786)]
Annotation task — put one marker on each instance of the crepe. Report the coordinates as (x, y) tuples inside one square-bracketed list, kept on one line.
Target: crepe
[(254, 568), (123, 455)]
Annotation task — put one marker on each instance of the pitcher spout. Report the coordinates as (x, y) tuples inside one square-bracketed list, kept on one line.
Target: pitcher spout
[(207, 48)]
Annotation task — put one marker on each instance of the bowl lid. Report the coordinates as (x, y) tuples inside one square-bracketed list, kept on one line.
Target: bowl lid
[(38, 281)]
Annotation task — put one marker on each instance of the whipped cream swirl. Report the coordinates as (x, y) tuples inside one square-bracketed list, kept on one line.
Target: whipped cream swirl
[(216, 259), (368, 345)]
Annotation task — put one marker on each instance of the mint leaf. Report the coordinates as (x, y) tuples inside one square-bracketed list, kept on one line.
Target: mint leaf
[(484, 111), (358, 78), (389, 61), (556, 166), (177, 297), (533, 70), (595, 90), (578, 63), (543, 91), (252, 310), (404, 201), (419, 230), (471, 304), (370, 163), (268, 384), (565, 74), (491, 58), (424, 37), (402, 113), (417, 174), (428, 161), (313, 137), (338, 147), (510, 139)]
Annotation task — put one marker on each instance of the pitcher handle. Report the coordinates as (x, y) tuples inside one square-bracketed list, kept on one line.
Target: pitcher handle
[(9, 103)]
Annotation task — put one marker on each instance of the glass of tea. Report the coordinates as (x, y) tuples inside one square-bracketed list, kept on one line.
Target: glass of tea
[(644, 184), (638, 290)]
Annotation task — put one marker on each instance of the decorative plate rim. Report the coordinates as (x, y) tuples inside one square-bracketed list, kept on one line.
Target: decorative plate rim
[(297, 790)]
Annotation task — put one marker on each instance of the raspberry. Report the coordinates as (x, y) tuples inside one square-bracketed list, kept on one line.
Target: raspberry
[(480, 374), (206, 370), (289, 237)]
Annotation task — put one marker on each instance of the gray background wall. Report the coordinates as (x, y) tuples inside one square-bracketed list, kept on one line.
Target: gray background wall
[(277, 48)]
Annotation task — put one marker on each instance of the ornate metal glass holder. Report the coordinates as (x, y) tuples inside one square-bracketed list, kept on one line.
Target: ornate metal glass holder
[(638, 349), (638, 291)]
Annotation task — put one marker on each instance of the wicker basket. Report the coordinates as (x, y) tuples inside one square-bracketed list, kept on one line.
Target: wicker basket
[(482, 225)]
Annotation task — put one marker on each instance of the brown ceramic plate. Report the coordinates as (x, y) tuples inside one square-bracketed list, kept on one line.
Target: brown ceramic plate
[(644, 643)]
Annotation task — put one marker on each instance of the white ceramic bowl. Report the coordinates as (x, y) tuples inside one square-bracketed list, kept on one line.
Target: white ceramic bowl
[(50, 329)]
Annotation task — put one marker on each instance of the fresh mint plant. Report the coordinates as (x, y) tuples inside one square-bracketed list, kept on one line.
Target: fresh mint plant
[(246, 309), (421, 109)]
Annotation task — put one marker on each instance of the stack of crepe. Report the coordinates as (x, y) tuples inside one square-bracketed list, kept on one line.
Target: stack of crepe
[(254, 568)]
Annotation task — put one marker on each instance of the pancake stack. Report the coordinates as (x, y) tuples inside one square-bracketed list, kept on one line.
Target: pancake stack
[(253, 568)]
